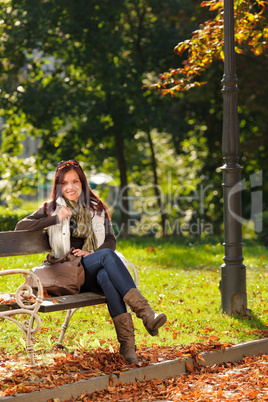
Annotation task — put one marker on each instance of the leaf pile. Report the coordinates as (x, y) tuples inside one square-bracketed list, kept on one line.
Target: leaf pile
[(11, 298), (74, 366), (244, 382)]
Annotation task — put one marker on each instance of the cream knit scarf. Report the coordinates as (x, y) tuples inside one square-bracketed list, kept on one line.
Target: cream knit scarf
[(81, 222)]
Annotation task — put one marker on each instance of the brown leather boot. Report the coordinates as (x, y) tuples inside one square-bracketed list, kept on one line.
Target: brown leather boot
[(125, 334), (151, 320)]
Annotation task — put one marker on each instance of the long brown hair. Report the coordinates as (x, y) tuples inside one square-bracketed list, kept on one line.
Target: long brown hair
[(88, 198)]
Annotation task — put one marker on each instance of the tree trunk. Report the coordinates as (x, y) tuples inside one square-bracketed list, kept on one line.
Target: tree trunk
[(123, 196), (156, 186)]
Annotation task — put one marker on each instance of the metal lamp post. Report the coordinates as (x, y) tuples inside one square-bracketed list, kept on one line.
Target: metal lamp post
[(233, 271)]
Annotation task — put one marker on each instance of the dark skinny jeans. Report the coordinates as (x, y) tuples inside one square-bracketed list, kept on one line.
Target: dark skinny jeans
[(106, 273)]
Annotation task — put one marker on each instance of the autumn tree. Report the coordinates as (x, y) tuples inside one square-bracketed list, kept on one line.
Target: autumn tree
[(203, 64), (72, 73), (206, 44), (71, 76)]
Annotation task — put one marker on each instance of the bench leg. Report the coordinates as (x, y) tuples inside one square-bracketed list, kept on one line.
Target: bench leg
[(64, 327), (27, 328), (29, 331), (32, 310)]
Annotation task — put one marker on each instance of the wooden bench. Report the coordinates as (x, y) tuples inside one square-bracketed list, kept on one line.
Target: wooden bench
[(25, 302)]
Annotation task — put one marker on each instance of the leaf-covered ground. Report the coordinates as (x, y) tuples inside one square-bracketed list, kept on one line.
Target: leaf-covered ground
[(67, 368), (178, 279), (243, 381)]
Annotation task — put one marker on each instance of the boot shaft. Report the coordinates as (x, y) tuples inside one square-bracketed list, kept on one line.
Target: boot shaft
[(151, 320), (125, 334)]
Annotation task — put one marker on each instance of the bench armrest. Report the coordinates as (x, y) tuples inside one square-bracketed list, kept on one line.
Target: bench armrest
[(26, 287)]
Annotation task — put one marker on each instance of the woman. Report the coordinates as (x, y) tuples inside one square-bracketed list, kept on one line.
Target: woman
[(76, 217)]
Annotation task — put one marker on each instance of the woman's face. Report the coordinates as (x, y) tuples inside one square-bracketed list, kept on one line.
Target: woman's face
[(71, 186)]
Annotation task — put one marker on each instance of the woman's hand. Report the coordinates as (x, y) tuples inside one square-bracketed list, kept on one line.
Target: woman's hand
[(64, 213), (81, 253)]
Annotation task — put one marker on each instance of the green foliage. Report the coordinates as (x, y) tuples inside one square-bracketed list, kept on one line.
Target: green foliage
[(71, 76), (180, 186), (9, 218), (83, 68), (75, 88), (19, 176), (263, 235), (204, 64)]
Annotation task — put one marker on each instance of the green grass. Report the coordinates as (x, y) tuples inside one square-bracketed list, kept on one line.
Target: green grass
[(178, 277)]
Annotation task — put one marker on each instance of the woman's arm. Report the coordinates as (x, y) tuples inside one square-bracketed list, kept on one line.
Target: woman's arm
[(37, 221), (110, 239)]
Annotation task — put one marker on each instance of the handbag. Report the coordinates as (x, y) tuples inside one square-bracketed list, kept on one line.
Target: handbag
[(60, 276)]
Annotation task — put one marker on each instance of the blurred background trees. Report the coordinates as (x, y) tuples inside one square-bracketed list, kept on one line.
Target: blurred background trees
[(73, 77)]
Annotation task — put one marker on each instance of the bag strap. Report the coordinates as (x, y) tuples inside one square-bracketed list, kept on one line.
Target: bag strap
[(53, 260)]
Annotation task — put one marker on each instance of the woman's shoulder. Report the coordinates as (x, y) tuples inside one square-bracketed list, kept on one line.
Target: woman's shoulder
[(47, 207), (98, 214)]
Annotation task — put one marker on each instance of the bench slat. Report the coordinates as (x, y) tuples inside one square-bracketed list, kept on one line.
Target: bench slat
[(59, 303), (71, 301), (23, 242)]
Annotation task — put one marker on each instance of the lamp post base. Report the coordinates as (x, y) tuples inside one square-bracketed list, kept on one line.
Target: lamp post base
[(233, 290)]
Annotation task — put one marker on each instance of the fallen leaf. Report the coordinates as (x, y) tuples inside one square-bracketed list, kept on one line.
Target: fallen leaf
[(189, 367)]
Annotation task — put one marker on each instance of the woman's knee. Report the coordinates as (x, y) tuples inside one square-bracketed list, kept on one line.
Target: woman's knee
[(108, 254), (107, 251)]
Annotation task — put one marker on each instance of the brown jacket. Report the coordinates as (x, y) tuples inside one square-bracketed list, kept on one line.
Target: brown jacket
[(40, 220)]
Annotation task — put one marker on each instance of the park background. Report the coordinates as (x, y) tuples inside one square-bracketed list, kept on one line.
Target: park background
[(77, 82)]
